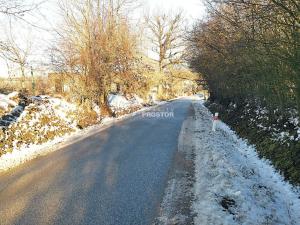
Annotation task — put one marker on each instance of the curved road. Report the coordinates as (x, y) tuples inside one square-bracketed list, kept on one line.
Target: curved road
[(114, 177)]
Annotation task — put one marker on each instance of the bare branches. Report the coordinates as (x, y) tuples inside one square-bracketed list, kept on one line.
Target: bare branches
[(166, 37), (249, 48), (17, 9), (95, 45), (18, 55)]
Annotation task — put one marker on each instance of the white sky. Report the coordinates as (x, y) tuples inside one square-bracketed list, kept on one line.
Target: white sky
[(193, 9)]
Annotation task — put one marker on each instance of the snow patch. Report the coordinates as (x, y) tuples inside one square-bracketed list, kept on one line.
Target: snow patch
[(6, 101), (233, 186), (118, 102), (25, 153)]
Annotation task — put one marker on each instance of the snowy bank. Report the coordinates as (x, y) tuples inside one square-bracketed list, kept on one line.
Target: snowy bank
[(24, 153), (233, 186), (275, 132), (121, 105), (8, 102)]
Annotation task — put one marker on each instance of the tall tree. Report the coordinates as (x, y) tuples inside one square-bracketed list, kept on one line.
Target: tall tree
[(95, 46), (166, 35), (18, 54)]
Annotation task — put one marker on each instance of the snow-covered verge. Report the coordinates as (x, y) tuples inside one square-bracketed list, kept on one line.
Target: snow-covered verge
[(233, 186), (7, 102), (120, 105), (43, 120), (274, 132), (11, 107), (46, 125)]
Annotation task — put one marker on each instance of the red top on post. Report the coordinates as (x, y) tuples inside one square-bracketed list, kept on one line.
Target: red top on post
[(216, 116)]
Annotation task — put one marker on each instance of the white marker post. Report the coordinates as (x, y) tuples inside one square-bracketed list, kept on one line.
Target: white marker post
[(215, 121)]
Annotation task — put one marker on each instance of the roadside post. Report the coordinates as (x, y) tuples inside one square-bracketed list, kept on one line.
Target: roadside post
[(215, 121)]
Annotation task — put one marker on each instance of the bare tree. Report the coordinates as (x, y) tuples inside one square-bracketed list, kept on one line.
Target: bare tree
[(13, 8), (95, 46), (10, 49), (17, 54), (166, 37)]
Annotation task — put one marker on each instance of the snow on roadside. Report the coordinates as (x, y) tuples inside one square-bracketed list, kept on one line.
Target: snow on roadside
[(233, 186), (27, 153), (44, 120), (19, 156), (120, 103), (61, 108), (117, 102), (6, 101)]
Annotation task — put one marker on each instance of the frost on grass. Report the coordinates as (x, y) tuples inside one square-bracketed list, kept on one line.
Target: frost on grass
[(283, 126), (47, 121), (233, 186), (42, 120)]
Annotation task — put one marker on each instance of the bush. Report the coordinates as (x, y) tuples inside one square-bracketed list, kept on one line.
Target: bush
[(86, 118), (260, 128)]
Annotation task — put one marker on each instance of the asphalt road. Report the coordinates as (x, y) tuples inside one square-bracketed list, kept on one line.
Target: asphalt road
[(114, 177)]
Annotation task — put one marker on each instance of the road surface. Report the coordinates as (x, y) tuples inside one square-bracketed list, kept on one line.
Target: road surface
[(114, 177)]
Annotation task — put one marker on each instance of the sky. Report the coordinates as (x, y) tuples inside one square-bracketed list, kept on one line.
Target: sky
[(46, 18), (193, 9)]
